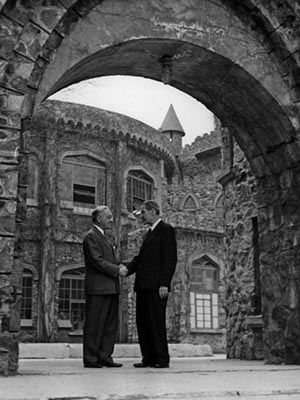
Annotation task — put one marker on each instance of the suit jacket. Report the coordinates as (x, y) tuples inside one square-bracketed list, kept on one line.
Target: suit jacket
[(101, 269), (156, 262)]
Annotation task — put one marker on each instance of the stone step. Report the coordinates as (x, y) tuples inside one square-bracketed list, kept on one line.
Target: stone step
[(74, 350)]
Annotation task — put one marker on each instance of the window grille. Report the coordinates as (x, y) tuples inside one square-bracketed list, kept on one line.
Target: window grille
[(204, 311), (27, 289), (71, 298), (139, 189), (83, 181), (204, 295)]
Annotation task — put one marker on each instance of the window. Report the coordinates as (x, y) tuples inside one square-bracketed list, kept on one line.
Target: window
[(204, 294), (32, 188), (204, 311), (256, 298), (26, 302), (84, 194), (190, 204), (219, 205), (139, 188), (71, 298), (83, 181)]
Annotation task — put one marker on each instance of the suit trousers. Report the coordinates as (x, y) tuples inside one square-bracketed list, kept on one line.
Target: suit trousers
[(100, 327), (151, 327)]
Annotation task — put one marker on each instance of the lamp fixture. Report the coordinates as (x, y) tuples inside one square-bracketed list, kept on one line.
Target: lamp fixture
[(166, 71)]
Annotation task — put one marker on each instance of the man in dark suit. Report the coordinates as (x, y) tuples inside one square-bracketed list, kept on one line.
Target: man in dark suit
[(154, 267), (102, 293)]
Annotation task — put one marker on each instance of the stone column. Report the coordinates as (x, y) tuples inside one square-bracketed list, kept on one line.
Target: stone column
[(48, 221), (9, 168)]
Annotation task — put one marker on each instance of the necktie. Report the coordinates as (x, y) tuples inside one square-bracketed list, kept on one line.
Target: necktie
[(148, 234)]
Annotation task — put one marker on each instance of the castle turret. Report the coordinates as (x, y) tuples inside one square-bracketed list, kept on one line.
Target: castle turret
[(171, 127)]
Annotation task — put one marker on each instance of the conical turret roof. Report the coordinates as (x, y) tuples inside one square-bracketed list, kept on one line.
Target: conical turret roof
[(171, 122)]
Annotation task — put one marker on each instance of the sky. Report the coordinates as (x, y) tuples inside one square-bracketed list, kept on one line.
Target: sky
[(143, 99)]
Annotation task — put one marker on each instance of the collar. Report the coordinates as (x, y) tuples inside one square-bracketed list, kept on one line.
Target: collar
[(99, 229), (155, 224)]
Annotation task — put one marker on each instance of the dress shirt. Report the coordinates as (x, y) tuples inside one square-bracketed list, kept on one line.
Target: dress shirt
[(100, 229), (155, 224)]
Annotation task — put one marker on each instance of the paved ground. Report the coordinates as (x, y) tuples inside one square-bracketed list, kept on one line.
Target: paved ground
[(211, 378)]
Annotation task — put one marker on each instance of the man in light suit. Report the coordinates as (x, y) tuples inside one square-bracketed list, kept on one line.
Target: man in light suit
[(154, 267), (102, 293)]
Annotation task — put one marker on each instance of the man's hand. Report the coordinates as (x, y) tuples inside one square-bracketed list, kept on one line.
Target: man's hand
[(123, 271), (163, 292)]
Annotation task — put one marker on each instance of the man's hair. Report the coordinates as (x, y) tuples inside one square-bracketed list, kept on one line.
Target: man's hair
[(151, 205), (98, 210)]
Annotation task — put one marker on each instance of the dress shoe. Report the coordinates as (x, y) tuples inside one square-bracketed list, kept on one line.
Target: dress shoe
[(158, 365), (141, 365), (87, 365), (110, 364)]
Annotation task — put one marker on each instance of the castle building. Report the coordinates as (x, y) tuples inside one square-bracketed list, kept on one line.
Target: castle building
[(81, 157)]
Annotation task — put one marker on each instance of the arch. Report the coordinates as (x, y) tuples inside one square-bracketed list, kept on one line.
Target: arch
[(33, 270), (212, 257), (249, 119), (186, 198), (266, 135), (85, 152), (141, 168), (218, 205), (190, 29), (206, 258), (64, 268)]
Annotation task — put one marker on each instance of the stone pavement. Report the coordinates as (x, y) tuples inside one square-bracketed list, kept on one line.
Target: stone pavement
[(202, 377)]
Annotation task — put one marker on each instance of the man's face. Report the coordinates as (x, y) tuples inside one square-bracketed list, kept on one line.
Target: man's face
[(105, 219), (146, 216)]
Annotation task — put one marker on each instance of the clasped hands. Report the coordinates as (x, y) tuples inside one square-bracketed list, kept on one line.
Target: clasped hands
[(123, 271), (163, 290)]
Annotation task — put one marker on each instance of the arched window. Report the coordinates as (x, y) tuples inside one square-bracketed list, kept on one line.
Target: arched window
[(219, 205), (189, 204), (139, 188), (83, 180), (71, 297), (204, 294), (27, 290)]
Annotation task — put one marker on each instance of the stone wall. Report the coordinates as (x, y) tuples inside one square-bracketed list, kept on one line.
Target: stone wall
[(241, 255)]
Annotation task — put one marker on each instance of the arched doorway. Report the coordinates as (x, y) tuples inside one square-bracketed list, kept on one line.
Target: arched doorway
[(215, 57)]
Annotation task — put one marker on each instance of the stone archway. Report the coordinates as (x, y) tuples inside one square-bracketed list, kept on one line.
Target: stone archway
[(240, 61), (242, 103)]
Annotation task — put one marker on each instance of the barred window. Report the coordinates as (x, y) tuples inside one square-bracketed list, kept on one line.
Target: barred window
[(71, 297), (139, 189), (26, 302), (83, 181), (204, 299)]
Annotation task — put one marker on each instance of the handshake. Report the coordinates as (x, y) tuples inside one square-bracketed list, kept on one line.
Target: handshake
[(123, 271)]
